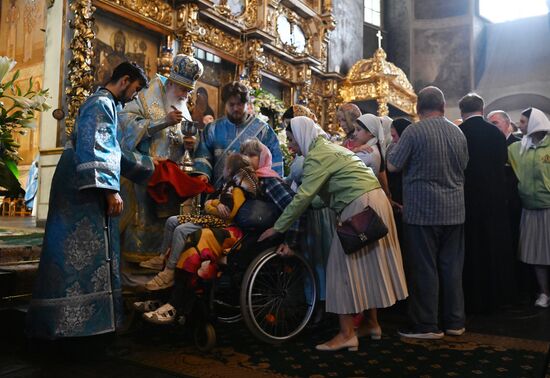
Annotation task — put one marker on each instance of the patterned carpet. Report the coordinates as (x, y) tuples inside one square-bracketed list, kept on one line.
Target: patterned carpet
[(238, 354)]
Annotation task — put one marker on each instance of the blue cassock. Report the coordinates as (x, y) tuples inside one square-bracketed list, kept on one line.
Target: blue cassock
[(77, 291), (222, 137)]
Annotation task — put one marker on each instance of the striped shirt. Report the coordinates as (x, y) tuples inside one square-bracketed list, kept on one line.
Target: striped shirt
[(433, 154)]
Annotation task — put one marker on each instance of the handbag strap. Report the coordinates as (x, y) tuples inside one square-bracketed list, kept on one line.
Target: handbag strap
[(339, 214)]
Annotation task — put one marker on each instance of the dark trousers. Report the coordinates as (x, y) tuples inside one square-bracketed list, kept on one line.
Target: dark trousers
[(435, 257)]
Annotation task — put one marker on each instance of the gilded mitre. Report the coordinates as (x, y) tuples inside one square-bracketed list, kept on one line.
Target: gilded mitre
[(185, 71)]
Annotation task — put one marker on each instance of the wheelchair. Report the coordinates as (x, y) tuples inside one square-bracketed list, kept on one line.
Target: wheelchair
[(274, 295)]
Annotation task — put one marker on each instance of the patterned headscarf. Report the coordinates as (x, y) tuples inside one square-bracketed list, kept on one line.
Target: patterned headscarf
[(305, 131)]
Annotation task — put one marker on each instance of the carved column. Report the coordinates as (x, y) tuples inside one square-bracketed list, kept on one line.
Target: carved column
[(382, 84), (255, 62), (187, 28), (80, 75), (333, 100), (304, 85)]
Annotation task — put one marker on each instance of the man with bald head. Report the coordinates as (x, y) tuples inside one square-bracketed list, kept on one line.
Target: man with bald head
[(503, 122), (433, 155)]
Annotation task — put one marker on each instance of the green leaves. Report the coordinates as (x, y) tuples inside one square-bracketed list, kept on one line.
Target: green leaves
[(18, 109)]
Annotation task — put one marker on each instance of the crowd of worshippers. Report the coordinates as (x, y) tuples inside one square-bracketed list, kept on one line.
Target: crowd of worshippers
[(456, 203), (467, 207)]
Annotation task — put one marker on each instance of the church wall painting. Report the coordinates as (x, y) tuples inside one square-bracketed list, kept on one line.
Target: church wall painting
[(217, 73), (441, 58), (205, 102), (118, 41), (21, 27)]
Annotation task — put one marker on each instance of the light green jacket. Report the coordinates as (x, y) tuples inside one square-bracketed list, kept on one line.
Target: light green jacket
[(333, 172), (533, 172)]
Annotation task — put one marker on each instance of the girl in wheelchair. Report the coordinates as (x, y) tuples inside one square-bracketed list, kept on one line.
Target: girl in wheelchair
[(241, 184), (205, 246), (275, 191)]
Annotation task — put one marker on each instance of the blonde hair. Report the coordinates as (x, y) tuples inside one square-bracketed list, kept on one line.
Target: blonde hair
[(251, 147)]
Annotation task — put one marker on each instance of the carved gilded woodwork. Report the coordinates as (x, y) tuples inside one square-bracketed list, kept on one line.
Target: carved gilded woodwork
[(377, 79), (255, 60), (223, 9), (252, 39), (187, 27), (215, 37), (165, 61), (157, 10), (248, 18), (285, 37), (251, 13), (279, 67), (80, 74)]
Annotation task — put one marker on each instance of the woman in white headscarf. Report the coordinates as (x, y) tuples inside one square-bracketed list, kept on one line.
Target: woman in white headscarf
[(368, 132), (318, 228), (370, 278), (371, 145), (530, 160)]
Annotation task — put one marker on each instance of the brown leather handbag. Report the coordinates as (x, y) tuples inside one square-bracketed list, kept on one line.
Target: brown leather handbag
[(361, 230)]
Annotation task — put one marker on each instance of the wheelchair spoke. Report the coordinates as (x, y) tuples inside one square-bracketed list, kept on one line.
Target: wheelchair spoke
[(279, 296)]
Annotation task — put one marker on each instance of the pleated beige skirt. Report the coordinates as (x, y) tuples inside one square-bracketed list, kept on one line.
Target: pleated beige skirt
[(534, 237), (372, 277)]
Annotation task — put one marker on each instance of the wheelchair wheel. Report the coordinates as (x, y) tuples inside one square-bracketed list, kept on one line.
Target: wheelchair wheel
[(205, 337), (224, 301), (278, 296)]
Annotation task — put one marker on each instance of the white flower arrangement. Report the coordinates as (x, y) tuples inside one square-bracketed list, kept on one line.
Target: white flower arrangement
[(17, 109)]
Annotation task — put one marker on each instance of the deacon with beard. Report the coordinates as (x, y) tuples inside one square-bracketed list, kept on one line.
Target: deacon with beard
[(151, 125), (225, 135)]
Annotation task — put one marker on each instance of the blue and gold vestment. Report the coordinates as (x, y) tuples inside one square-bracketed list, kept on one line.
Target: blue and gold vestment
[(77, 291)]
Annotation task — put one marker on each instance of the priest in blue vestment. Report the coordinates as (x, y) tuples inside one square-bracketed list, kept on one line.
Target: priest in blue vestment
[(77, 291), (225, 135), (151, 125)]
